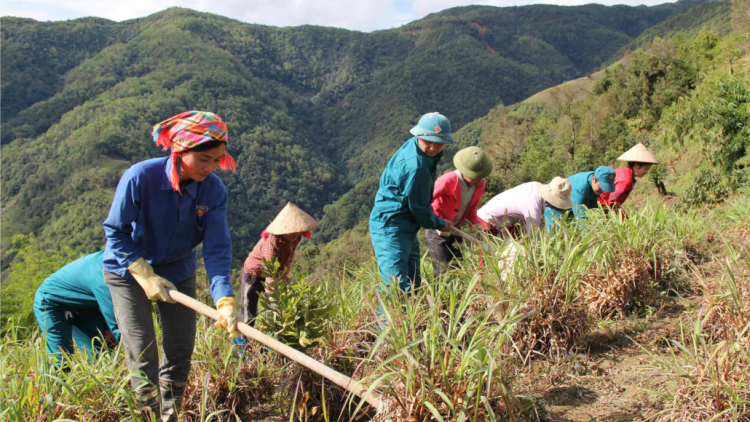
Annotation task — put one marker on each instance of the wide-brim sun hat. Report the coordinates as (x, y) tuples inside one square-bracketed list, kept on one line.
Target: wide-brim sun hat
[(433, 127), (557, 193), (473, 163), (290, 220), (639, 154), (606, 178)]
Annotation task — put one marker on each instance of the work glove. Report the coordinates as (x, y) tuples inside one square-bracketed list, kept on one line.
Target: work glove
[(154, 286), (445, 231), (228, 314)]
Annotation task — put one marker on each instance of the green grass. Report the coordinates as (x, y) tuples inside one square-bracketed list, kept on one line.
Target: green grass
[(449, 351), (710, 359)]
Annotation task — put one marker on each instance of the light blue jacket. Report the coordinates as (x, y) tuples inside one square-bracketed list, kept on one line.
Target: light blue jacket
[(582, 195)]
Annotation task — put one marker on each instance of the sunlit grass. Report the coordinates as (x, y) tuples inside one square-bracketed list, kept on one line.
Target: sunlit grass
[(446, 352), (710, 361)]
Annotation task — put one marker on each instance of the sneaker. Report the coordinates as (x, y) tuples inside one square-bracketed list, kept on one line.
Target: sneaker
[(148, 401), (171, 399)]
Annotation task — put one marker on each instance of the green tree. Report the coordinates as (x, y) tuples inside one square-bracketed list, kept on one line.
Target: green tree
[(717, 119)]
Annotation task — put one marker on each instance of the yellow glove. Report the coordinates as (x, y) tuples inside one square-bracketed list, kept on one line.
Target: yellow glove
[(443, 234), (154, 286), (228, 314)]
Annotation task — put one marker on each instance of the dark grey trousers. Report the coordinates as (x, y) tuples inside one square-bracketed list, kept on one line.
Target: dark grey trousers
[(250, 289), (443, 250), (133, 313)]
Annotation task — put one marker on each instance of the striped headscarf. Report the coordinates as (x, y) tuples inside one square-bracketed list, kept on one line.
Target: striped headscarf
[(188, 130)]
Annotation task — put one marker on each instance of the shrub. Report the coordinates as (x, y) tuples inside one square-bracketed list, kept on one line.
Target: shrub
[(295, 312), (708, 189)]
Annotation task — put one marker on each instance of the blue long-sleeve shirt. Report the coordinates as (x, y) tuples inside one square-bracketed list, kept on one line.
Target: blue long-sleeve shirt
[(582, 195), (78, 286), (405, 194), (150, 220)]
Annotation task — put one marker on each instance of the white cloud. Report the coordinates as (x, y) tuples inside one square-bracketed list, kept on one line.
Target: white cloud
[(363, 15)]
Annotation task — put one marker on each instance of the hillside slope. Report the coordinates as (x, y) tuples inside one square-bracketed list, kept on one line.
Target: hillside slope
[(715, 17), (311, 111)]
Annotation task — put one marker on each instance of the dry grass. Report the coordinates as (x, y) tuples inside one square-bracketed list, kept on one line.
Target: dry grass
[(711, 360), (614, 292), (554, 325), (449, 351)]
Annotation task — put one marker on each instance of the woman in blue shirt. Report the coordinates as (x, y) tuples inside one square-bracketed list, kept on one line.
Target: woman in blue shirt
[(162, 210)]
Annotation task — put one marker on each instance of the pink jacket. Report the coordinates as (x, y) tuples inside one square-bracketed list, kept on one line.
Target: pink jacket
[(446, 199), (624, 183)]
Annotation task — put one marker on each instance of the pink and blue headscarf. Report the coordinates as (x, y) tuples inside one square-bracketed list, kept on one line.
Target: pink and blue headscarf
[(188, 130)]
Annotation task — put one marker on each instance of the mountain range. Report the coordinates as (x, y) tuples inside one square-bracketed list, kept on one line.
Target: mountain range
[(313, 113)]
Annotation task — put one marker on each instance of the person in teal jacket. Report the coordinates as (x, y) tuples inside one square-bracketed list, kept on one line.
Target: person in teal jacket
[(73, 305), (587, 186), (403, 202)]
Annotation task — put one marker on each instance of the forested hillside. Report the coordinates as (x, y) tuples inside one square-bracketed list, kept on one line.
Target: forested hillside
[(715, 17), (311, 111), (606, 318), (609, 318), (577, 129)]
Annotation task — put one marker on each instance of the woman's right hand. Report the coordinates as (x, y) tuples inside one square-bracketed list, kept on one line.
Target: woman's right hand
[(155, 287), (447, 228)]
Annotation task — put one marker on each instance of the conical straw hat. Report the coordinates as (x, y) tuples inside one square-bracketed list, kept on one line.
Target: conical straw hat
[(639, 154), (291, 220)]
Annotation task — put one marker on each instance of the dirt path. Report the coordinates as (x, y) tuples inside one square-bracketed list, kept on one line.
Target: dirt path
[(607, 383)]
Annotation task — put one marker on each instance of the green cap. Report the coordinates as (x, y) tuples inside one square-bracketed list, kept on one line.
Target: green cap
[(473, 163)]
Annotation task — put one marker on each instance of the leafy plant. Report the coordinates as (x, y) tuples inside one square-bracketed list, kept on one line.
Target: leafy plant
[(656, 176), (716, 118), (708, 189), (295, 312)]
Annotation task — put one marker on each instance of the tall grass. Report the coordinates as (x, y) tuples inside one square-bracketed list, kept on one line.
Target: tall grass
[(710, 362), (445, 352), (32, 388), (440, 352), (642, 257), (546, 277)]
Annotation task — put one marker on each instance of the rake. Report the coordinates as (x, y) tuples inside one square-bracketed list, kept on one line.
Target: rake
[(338, 378)]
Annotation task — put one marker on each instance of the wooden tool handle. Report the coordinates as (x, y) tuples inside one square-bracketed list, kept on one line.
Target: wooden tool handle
[(460, 233), (340, 379)]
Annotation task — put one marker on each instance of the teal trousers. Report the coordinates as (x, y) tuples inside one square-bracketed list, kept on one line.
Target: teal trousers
[(398, 255)]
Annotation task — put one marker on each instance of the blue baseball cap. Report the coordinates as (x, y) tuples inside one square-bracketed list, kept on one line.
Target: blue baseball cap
[(606, 178), (433, 127)]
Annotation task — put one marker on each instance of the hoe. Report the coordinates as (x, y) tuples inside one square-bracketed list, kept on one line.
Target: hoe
[(343, 381), (340, 379)]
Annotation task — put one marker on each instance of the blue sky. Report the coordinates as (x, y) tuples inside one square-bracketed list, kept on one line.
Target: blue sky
[(363, 15)]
